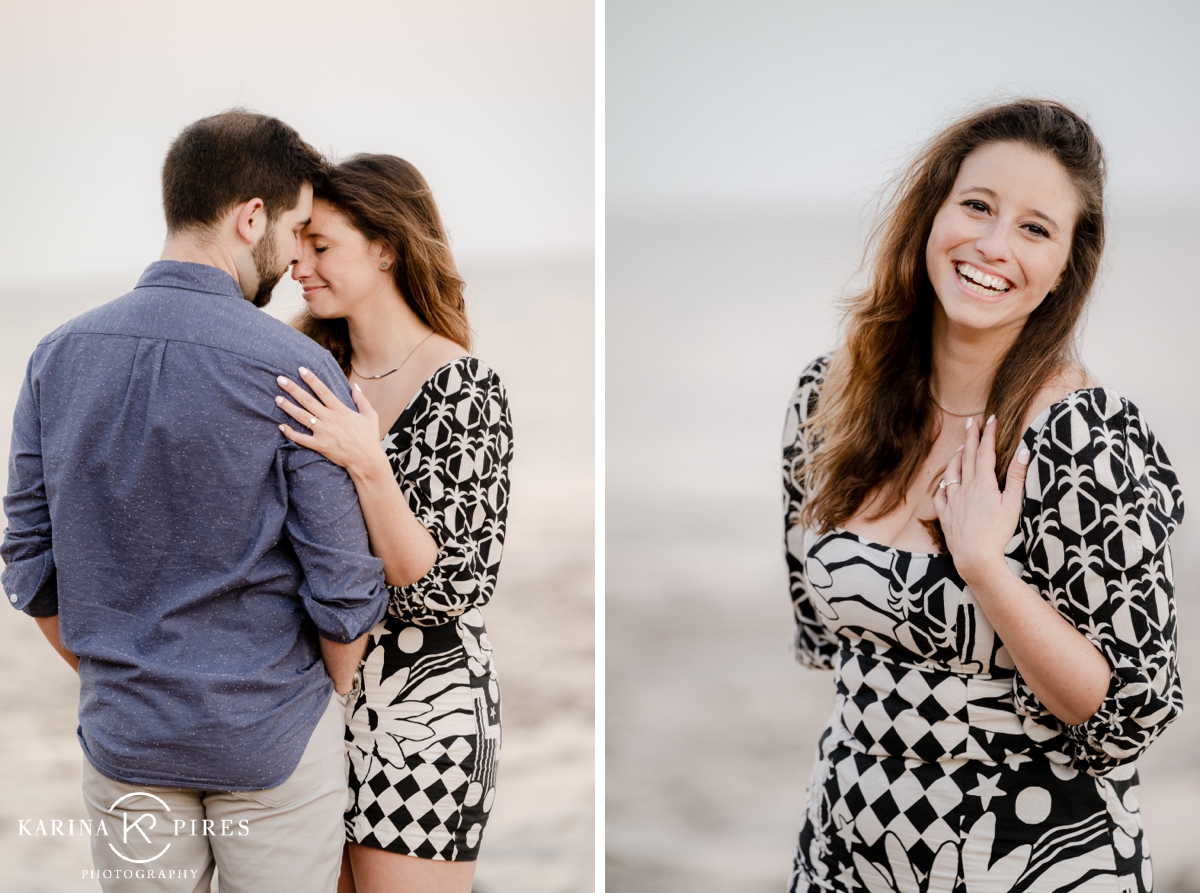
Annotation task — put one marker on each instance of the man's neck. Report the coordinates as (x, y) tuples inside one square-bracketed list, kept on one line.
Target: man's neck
[(188, 248)]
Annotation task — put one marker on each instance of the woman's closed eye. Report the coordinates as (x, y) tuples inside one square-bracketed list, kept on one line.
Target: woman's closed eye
[(1038, 230), (321, 249)]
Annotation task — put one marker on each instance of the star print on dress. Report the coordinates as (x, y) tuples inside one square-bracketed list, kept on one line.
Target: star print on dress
[(940, 770), (988, 787), (1014, 760)]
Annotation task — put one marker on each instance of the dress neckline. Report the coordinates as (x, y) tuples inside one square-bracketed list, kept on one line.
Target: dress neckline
[(1037, 427), (421, 390)]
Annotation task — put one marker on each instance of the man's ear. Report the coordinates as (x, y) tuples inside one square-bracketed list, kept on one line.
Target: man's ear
[(251, 220)]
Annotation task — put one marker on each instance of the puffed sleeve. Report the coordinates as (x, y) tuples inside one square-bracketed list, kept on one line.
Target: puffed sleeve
[(453, 469), (815, 646), (1101, 500)]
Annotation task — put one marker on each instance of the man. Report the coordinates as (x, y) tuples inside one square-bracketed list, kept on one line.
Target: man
[(192, 563)]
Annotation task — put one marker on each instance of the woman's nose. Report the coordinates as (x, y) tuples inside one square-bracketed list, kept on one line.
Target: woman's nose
[(993, 242)]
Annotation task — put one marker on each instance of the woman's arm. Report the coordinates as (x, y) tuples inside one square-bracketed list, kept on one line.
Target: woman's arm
[(341, 661), (351, 439), (397, 537), (814, 645), (1065, 670), (1062, 667), (49, 628)]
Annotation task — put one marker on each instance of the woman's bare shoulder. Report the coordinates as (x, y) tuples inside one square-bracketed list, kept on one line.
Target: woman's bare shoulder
[(437, 352), (1071, 378)]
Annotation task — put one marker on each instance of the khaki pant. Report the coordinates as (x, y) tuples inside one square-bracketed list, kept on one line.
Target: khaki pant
[(286, 839)]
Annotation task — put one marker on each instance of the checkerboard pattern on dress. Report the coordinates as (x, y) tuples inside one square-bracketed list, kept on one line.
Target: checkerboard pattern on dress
[(940, 771)]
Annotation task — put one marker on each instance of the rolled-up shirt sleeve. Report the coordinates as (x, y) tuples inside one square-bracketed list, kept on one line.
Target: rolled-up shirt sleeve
[(343, 589), (29, 577)]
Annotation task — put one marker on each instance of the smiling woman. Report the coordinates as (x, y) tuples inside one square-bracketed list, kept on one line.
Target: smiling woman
[(382, 293), (993, 255), (977, 540)]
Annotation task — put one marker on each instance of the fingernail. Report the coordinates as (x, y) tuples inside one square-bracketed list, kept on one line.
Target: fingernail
[(303, 371), (960, 449), (283, 381), (1022, 456), (279, 400), (283, 427), (357, 388), (970, 421), (991, 419)]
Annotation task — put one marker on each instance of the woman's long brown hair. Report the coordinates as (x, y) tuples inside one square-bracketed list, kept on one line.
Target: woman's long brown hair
[(876, 421), (387, 200)]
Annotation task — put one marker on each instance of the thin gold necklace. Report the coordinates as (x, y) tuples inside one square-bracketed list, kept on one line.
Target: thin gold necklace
[(398, 368), (957, 415)]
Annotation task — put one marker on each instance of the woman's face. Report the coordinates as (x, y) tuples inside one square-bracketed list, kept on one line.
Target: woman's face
[(1002, 238), (338, 268)]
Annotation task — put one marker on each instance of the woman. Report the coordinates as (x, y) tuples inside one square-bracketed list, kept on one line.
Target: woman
[(383, 296), (1002, 654)]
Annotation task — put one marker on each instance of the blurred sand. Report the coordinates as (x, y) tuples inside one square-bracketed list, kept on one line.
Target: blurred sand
[(711, 726), (534, 324)]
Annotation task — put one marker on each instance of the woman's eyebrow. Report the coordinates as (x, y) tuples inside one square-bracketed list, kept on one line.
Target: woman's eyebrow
[(1044, 216)]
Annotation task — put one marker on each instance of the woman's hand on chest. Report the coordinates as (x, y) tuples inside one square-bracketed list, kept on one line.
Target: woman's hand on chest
[(978, 519)]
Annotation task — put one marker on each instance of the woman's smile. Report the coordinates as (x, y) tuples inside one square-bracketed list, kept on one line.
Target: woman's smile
[(976, 282)]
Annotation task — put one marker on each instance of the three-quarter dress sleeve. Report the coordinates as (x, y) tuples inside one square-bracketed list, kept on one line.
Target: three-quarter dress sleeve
[(452, 463), (815, 646), (1101, 500)]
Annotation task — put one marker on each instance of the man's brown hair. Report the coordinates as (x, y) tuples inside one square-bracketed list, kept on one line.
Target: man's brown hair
[(229, 158)]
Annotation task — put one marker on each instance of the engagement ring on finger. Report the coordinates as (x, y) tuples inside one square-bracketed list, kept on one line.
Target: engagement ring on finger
[(943, 483), (312, 421)]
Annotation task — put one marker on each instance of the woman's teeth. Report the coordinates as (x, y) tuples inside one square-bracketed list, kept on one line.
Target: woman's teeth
[(980, 282)]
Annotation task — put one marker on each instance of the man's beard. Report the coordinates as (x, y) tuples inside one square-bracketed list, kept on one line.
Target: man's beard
[(267, 265)]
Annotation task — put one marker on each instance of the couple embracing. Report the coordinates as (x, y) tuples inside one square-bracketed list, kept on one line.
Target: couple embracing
[(263, 547)]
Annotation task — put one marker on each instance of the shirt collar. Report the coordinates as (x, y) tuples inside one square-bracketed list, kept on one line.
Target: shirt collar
[(190, 277)]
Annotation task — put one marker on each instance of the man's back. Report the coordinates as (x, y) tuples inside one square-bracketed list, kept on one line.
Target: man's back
[(195, 550)]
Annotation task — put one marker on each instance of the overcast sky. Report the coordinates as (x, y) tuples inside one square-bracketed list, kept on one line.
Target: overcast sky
[(814, 101), (493, 101)]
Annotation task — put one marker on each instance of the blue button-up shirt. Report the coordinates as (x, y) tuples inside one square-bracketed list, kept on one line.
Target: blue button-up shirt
[(191, 552)]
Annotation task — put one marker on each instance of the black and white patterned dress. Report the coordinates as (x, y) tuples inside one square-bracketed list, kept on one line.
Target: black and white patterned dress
[(940, 771), (423, 732)]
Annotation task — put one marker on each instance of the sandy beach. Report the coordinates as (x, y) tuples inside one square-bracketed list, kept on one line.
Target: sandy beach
[(711, 726), (534, 323)]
